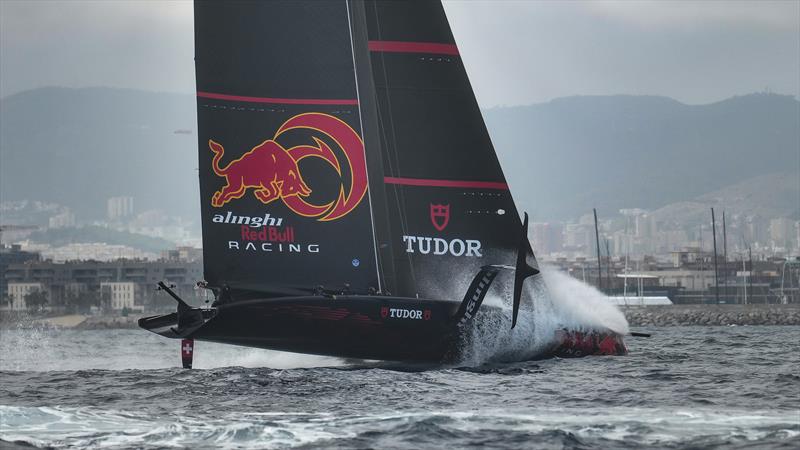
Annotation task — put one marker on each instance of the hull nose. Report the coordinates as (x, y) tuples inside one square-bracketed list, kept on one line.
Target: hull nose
[(164, 325), (176, 325)]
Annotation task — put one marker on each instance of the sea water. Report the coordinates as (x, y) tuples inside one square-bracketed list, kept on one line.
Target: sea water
[(685, 387)]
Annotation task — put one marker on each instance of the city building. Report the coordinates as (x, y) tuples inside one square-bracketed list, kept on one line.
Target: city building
[(120, 295), (780, 232), (547, 237), (62, 220), (183, 254), (690, 256), (12, 254), (119, 208), (18, 293), (108, 284)]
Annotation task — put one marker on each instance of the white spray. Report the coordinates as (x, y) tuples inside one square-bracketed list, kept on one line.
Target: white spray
[(551, 302), (580, 305)]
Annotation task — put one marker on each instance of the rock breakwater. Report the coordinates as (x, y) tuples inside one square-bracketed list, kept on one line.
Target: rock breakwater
[(712, 315)]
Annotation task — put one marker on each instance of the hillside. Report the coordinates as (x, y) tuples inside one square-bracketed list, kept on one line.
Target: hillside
[(564, 157), (767, 196), (77, 147)]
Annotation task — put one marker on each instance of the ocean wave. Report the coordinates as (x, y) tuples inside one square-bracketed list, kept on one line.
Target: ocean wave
[(89, 427)]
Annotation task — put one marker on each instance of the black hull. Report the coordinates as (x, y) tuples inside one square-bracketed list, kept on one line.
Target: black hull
[(354, 326), (365, 327)]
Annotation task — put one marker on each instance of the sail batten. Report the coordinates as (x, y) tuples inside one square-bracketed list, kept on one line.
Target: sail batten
[(284, 101), (446, 183), (435, 48)]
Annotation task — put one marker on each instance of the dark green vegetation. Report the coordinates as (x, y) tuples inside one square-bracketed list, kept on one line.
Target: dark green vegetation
[(77, 147)]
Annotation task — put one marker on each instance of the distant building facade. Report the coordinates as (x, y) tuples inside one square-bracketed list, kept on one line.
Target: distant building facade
[(12, 254), (62, 220), (120, 295), (119, 208), (114, 285), (547, 237), (18, 292), (781, 231)]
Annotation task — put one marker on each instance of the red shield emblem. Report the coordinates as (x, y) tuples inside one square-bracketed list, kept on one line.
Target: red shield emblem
[(384, 312), (440, 216), (427, 314)]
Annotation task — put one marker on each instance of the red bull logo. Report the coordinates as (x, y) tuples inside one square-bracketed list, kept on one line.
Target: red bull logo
[(272, 172)]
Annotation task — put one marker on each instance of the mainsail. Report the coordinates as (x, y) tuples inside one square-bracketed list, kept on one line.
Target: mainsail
[(283, 178), (341, 146), (449, 207)]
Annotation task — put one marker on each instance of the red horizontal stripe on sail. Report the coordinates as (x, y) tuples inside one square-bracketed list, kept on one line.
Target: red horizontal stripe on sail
[(413, 47), (283, 101), (446, 183)]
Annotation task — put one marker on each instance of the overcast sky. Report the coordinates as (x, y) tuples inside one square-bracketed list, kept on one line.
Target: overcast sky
[(516, 52)]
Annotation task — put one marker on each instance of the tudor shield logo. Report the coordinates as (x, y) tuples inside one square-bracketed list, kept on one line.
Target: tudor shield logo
[(440, 216), (272, 172)]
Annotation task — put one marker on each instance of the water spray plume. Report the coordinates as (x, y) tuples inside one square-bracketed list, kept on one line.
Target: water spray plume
[(552, 301), (577, 304)]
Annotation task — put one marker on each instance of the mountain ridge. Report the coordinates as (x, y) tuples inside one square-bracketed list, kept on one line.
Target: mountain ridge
[(613, 153), (77, 147)]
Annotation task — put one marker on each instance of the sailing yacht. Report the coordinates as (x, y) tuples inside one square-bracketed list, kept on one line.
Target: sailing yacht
[(352, 201)]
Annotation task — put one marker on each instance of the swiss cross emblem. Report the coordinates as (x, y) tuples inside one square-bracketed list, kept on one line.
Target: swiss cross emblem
[(426, 314), (440, 216), (384, 312), (187, 348)]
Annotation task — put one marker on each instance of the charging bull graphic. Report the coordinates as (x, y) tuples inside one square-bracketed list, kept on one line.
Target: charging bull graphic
[(268, 168), (273, 172)]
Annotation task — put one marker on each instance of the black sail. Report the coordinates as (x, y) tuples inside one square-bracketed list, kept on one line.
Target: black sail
[(282, 166), (341, 148), (447, 207)]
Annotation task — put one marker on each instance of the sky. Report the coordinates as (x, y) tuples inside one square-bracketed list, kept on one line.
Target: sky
[(516, 52)]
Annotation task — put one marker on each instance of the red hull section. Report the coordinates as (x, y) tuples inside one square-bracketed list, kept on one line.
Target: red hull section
[(574, 343)]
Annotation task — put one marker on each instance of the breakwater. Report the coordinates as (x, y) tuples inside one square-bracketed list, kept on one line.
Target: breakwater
[(712, 315)]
